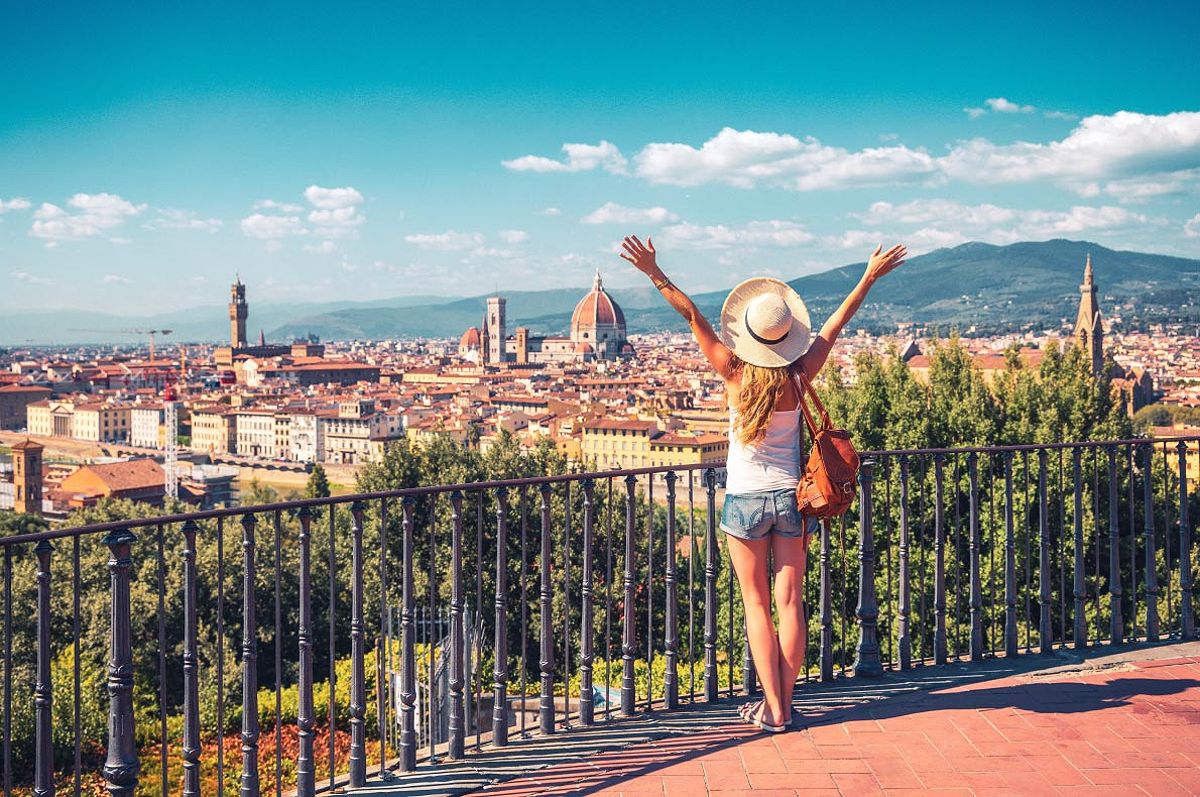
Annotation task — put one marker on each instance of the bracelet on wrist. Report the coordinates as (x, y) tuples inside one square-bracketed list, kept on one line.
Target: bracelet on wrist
[(660, 284)]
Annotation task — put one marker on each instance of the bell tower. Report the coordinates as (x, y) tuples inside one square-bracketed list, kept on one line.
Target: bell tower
[(497, 335), (1089, 332), (27, 477), (238, 311)]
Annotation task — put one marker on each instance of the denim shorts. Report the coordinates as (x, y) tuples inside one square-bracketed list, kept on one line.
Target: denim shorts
[(753, 516)]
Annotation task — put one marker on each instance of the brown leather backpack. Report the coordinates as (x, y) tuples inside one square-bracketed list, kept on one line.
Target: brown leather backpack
[(829, 482)]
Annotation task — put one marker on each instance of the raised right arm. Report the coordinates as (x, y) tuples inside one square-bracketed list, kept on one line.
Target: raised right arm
[(643, 257)]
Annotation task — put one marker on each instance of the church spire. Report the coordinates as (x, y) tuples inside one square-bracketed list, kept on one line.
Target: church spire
[(1089, 332)]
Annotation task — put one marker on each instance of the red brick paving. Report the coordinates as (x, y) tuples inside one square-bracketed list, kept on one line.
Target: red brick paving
[(1134, 730)]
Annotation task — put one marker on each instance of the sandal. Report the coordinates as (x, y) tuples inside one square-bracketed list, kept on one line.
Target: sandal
[(749, 713)]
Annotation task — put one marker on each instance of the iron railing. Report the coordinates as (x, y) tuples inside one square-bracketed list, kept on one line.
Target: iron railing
[(574, 615)]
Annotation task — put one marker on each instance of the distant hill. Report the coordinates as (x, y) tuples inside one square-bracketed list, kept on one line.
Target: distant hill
[(974, 286), (204, 323)]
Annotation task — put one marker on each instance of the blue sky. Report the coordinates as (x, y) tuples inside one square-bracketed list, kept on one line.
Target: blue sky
[(374, 150)]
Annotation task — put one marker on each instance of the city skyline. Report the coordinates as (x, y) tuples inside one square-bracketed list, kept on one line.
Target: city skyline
[(402, 151)]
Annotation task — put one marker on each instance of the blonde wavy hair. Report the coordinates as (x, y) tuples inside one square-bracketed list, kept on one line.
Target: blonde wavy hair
[(759, 390)]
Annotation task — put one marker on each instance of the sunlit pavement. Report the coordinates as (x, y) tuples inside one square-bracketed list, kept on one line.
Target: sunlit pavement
[(1123, 724)]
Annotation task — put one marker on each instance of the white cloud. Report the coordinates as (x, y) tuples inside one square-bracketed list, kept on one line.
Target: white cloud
[(29, 279), (175, 219), (1068, 117), (90, 215), (335, 222), (514, 236), (550, 212), (1100, 149), (271, 204), (1191, 227), (944, 222), (449, 241), (923, 211), (332, 198), (1140, 189), (745, 158), (773, 233), (974, 113), (612, 213), (334, 214), (114, 279), (16, 203), (579, 158), (1001, 105), (1122, 145), (324, 247), (268, 228), (336, 211)]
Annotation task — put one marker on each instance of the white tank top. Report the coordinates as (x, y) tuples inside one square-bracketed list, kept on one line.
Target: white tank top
[(772, 463)]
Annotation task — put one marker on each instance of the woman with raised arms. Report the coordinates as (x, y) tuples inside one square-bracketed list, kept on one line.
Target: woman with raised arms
[(762, 352)]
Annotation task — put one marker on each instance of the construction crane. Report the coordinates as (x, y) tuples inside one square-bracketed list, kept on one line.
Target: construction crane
[(150, 332), (171, 430)]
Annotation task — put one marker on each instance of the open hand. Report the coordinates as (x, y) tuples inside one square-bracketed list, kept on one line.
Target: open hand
[(881, 264), (642, 256)]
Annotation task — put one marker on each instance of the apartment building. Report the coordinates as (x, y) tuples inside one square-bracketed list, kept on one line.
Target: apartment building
[(214, 430), (101, 423), (254, 432), (146, 426)]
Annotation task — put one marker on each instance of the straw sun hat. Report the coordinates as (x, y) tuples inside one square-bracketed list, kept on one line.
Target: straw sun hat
[(765, 323)]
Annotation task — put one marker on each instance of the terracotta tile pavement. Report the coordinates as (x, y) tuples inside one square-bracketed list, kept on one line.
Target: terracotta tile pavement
[(1130, 730)]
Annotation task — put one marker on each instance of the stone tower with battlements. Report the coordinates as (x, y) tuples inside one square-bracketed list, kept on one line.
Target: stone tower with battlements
[(238, 312)]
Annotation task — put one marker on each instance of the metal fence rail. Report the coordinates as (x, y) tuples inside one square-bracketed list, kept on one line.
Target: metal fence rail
[(536, 605)]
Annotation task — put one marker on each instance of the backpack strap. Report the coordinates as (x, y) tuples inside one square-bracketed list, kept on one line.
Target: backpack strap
[(806, 389)]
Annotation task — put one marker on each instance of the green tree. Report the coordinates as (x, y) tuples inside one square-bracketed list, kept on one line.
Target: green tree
[(318, 483)]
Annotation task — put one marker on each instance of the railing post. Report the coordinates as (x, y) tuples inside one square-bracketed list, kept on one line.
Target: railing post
[(500, 669), (545, 607), (1150, 543), (671, 678), (408, 670), (121, 765), (710, 588), (1045, 630), (975, 544), (629, 635), (1010, 562), (358, 677), (1080, 584), (43, 693), (1187, 616), (587, 631), (458, 678), (1116, 629), (867, 661), (306, 784), (939, 563), (826, 652), (191, 675), (904, 641), (250, 729)]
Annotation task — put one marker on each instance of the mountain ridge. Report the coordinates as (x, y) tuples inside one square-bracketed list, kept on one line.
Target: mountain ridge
[(975, 286)]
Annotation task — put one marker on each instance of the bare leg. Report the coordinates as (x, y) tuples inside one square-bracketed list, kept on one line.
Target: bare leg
[(750, 563), (791, 555)]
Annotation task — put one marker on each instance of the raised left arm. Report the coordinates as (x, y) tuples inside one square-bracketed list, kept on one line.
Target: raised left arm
[(811, 363)]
